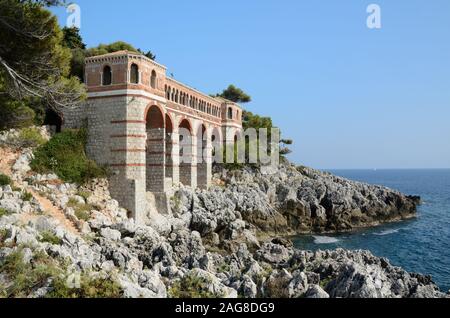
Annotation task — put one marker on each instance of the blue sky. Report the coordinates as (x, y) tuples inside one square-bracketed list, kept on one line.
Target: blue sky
[(349, 96)]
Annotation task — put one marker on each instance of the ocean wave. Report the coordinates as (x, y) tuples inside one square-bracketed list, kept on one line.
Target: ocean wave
[(325, 240), (387, 232)]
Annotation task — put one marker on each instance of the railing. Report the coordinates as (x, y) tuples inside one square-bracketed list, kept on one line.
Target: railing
[(181, 94)]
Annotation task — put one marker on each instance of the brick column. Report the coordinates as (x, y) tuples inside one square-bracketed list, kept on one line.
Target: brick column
[(155, 160), (204, 164), (188, 168), (175, 156), (126, 156)]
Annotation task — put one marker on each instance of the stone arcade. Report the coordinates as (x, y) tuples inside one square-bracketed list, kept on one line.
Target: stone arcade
[(136, 117)]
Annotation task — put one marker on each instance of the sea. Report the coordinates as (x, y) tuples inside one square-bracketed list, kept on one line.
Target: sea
[(420, 245)]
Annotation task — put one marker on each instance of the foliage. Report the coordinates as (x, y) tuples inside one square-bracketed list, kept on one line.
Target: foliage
[(15, 114), (73, 40), (3, 232), (82, 211), (89, 288), (35, 64), (65, 155), (27, 277), (190, 287), (49, 237), (110, 48), (31, 137), (43, 271), (4, 212), (324, 282), (234, 94), (5, 180), (27, 196)]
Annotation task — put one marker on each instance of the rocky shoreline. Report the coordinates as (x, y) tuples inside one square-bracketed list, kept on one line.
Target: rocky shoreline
[(208, 244), (298, 200)]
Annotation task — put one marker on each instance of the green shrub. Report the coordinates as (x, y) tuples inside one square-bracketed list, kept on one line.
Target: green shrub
[(4, 180), (191, 287), (65, 155), (89, 288), (15, 114), (27, 196), (3, 234), (82, 211), (4, 212), (31, 137), (27, 277), (84, 194), (49, 237)]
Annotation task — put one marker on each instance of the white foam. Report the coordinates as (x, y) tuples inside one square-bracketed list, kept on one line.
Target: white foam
[(325, 240), (387, 232)]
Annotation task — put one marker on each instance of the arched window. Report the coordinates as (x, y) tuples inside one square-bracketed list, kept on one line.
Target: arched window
[(107, 76), (134, 74), (153, 79), (230, 113)]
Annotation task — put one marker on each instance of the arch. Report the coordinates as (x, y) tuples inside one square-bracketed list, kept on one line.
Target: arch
[(107, 75), (134, 74), (153, 79), (230, 113), (186, 123), (186, 152), (154, 117), (54, 120), (155, 149), (217, 145)]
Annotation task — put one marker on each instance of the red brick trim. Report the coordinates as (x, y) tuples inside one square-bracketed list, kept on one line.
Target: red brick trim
[(155, 165)]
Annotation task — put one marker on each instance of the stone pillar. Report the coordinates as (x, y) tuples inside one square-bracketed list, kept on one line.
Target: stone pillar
[(126, 155), (188, 168), (155, 160), (204, 164), (174, 154)]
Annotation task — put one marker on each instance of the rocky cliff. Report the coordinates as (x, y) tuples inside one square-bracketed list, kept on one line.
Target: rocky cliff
[(294, 200), (63, 240)]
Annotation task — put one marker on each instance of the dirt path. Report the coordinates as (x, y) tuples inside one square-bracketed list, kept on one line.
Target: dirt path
[(7, 159), (55, 212)]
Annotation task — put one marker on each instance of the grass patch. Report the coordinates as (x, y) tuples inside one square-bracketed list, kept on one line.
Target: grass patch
[(3, 235), (324, 282), (16, 189), (4, 212), (84, 194), (49, 237), (88, 288), (82, 211), (28, 277), (191, 287), (31, 137), (65, 155), (27, 196), (5, 180)]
